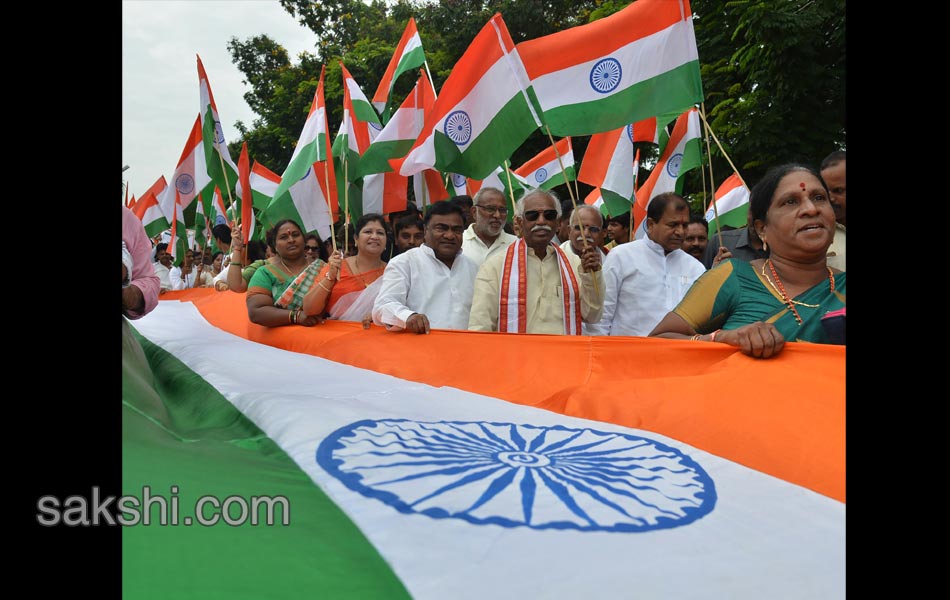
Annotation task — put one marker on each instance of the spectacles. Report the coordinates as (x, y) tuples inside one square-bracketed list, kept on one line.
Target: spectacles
[(312, 248), (532, 215), (591, 228), (501, 211), (442, 229)]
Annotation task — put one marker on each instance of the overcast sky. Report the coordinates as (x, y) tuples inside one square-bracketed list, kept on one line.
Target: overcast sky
[(160, 39)]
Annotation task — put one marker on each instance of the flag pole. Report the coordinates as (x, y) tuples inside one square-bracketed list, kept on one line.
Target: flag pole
[(712, 182), (635, 175), (346, 203), (574, 204), (326, 177), (511, 191), (227, 184)]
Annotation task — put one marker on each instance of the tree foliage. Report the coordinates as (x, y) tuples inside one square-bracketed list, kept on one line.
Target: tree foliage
[(773, 71)]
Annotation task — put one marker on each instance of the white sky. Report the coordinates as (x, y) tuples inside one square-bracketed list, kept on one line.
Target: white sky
[(160, 39)]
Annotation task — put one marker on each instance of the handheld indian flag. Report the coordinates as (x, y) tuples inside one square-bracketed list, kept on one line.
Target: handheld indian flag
[(408, 56), (484, 112), (151, 214), (384, 193), (596, 199), (732, 204), (394, 479), (503, 178), (217, 156), (400, 133), (191, 175), (637, 63), (203, 233), (545, 171), (302, 193), (457, 185), (217, 211), (608, 165), (359, 128), (682, 153)]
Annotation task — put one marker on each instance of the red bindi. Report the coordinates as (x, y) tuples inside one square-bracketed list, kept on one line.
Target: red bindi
[(803, 185)]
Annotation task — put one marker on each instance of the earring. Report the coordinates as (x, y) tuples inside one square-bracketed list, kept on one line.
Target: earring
[(765, 246)]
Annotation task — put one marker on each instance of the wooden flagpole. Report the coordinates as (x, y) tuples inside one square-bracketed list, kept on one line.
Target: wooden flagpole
[(712, 181)]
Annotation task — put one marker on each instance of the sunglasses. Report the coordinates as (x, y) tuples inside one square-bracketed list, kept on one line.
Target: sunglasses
[(312, 248), (590, 228), (532, 215)]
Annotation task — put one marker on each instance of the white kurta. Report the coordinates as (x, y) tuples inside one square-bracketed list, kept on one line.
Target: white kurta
[(474, 248), (418, 282), (643, 283)]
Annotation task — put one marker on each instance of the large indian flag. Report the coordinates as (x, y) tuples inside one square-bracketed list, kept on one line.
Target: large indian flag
[(401, 479), (191, 174), (637, 63), (484, 112), (400, 133)]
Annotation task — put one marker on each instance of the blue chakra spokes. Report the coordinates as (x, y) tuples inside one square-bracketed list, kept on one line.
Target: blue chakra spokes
[(540, 175), (307, 174), (520, 475), (605, 75), (458, 180), (673, 165), (630, 131), (185, 184), (458, 126)]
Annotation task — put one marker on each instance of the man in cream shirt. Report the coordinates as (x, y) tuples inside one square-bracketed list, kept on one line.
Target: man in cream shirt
[(486, 235)]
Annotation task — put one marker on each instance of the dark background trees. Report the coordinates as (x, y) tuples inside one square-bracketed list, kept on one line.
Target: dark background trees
[(773, 71)]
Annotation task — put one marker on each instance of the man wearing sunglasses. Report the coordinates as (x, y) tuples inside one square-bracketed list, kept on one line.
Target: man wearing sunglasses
[(485, 236), (531, 287), (647, 278)]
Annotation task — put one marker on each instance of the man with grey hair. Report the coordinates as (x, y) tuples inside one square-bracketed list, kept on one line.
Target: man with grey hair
[(486, 235), (531, 287)]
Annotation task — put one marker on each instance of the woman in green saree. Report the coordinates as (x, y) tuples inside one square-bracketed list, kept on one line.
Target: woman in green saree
[(760, 305), (276, 290)]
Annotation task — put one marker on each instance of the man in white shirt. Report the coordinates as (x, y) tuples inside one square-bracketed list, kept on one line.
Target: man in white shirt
[(191, 273), (162, 266), (646, 278), (429, 286), (486, 236)]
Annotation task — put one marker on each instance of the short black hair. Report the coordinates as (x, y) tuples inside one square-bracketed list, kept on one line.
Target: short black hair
[(623, 219), (444, 208), (408, 221), (698, 218), (832, 159), (222, 232), (760, 197), (463, 200), (658, 205)]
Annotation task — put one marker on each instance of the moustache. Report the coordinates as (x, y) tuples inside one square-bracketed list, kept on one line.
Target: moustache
[(541, 227)]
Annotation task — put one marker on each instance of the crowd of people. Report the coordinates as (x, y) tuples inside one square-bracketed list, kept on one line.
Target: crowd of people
[(550, 270)]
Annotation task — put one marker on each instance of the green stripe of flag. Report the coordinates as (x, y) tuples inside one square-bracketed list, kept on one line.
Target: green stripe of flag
[(179, 431), (651, 97)]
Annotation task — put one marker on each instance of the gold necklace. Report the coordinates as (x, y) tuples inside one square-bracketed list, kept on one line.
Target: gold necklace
[(356, 261), (786, 299), (289, 271)]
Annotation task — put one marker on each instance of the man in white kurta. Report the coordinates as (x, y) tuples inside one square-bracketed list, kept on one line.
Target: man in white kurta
[(430, 286), (647, 278)]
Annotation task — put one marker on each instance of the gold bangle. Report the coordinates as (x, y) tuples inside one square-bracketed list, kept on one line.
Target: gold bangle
[(235, 264), (320, 283), (696, 337)]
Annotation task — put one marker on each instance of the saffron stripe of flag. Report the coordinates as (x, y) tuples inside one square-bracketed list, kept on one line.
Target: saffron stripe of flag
[(732, 204), (545, 171), (407, 56), (463, 494), (151, 214), (384, 193), (637, 63), (247, 197), (484, 112), (608, 165)]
